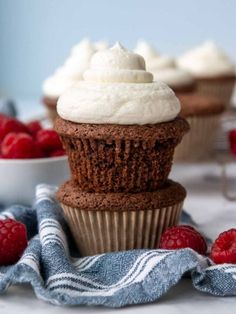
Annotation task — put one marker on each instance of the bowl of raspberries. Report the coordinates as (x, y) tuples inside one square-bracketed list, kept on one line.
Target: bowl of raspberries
[(29, 155)]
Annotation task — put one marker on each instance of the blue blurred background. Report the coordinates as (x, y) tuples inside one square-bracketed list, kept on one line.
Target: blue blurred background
[(36, 35)]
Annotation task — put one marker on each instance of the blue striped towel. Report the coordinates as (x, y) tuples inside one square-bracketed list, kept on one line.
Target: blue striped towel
[(58, 276)]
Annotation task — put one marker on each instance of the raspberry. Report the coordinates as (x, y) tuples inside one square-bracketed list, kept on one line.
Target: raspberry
[(224, 248), (13, 241), (8, 125), (56, 153), (34, 127), (232, 141), (48, 140), (18, 145), (180, 237)]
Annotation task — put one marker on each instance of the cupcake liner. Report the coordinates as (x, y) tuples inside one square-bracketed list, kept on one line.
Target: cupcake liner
[(221, 89), (198, 144), (101, 231), (120, 164), (51, 107), (52, 113)]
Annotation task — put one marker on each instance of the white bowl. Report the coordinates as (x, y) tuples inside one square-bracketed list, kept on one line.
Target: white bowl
[(19, 177)]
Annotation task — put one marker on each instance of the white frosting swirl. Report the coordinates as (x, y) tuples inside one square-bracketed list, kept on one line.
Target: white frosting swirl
[(72, 70), (207, 60), (117, 65), (118, 90)]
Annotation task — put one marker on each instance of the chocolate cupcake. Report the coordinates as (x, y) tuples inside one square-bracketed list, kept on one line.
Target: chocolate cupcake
[(65, 76), (105, 222), (203, 114), (212, 69), (119, 128)]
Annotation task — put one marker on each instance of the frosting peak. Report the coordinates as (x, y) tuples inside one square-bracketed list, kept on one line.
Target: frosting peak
[(117, 64)]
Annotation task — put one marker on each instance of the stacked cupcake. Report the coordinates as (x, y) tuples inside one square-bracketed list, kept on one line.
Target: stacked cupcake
[(69, 73), (119, 129)]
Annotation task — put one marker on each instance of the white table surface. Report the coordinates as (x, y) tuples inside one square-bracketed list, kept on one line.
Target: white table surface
[(209, 209)]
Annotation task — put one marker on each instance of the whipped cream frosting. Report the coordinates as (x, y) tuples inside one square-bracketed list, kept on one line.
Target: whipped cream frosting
[(117, 89), (71, 71), (207, 60)]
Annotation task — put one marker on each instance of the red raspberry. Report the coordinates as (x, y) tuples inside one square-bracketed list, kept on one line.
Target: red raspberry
[(224, 248), (8, 125), (48, 140), (34, 127), (13, 241), (56, 153), (232, 141), (180, 237), (18, 146)]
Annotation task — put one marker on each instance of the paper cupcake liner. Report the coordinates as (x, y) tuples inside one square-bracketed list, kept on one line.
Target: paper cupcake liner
[(52, 113), (51, 107), (101, 231), (198, 144), (221, 89), (119, 165)]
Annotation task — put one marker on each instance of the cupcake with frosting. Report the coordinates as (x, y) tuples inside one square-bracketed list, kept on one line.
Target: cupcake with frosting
[(66, 75), (213, 70), (119, 129), (118, 124), (203, 114), (165, 69)]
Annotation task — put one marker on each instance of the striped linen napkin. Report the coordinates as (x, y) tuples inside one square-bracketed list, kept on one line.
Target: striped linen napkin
[(58, 275)]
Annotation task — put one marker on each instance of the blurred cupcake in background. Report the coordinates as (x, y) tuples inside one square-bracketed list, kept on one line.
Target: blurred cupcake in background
[(213, 70), (66, 75), (203, 115), (180, 80), (148, 52), (165, 69)]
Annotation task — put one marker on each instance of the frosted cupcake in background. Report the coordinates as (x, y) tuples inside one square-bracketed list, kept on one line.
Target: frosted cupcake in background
[(180, 80), (203, 114), (165, 69), (213, 70), (66, 75), (119, 129)]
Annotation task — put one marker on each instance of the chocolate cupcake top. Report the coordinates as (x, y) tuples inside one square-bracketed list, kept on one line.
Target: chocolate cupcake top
[(170, 194), (194, 104), (117, 89), (151, 133)]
